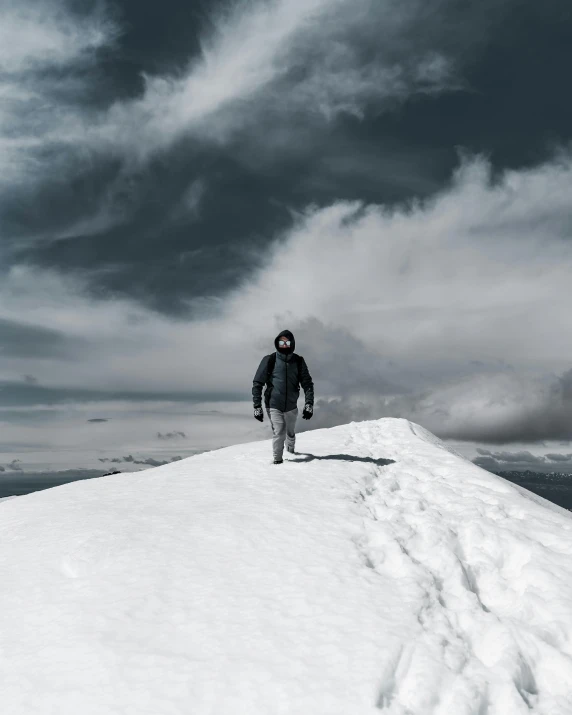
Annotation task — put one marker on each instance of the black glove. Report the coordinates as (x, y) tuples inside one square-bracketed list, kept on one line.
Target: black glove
[(258, 414), (308, 412)]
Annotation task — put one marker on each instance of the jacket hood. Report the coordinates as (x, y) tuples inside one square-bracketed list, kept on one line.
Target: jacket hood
[(290, 336)]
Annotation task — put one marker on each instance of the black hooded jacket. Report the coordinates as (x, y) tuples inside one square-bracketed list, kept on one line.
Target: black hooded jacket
[(283, 379)]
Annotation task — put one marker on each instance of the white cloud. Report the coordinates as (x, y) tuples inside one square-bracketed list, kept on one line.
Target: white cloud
[(43, 48), (480, 272), (35, 35)]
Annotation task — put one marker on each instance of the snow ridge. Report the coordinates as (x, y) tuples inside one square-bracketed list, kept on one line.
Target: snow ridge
[(376, 570), (494, 634)]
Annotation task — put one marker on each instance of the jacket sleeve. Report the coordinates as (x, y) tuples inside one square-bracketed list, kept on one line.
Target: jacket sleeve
[(306, 382), (259, 382)]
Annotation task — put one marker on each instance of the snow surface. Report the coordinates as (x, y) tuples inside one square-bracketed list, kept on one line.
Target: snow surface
[(385, 573)]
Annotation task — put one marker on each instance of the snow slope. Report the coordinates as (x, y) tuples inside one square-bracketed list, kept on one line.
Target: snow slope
[(384, 573)]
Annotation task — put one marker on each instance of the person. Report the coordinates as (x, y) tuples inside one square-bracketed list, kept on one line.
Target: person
[(283, 372)]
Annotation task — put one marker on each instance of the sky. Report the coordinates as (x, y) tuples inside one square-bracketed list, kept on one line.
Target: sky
[(391, 181)]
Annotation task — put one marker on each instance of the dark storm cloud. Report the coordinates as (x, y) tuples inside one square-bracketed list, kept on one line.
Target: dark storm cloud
[(559, 457), (548, 417), (99, 419), (171, 435), (14, 466), (489, 463), (27, 395), (20, 340), (177, 257), (254, 179), (158, 38), (493, 465)]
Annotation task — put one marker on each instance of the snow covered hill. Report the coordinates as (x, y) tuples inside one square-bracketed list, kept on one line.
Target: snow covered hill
[(375, 571)]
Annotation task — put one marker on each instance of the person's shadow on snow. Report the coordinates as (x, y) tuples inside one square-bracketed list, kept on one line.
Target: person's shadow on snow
[(307, 457)]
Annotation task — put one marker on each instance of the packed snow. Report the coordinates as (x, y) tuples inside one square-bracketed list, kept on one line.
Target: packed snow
[(375, 570)]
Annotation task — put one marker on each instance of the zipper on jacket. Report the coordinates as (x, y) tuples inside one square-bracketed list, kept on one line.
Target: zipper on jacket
[(286, 385)]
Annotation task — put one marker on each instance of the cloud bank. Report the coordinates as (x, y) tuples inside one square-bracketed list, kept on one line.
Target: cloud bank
[(523, 461), (46, 51)]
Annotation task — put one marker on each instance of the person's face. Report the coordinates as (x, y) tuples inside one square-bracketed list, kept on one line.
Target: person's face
[(283, 342)]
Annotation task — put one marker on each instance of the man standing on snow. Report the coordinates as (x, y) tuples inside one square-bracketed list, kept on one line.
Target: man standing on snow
[(283, 372)]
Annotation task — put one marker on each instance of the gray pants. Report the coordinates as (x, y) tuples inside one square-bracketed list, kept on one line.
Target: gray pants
[(284, 429)]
